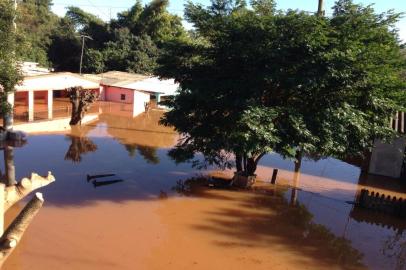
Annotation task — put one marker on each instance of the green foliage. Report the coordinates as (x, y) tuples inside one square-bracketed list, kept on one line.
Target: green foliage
[(64, 51), (85, 23), (132, 42), (264, 7), (294, 83), (126, 53), (9, 72), (35, 24)]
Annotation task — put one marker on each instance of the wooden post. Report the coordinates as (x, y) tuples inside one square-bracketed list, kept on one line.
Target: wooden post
[(274, 174)]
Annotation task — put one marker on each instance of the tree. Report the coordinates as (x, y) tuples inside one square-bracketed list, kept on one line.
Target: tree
[(127, 52), (134, 39), (86, 23), (35, 22), (65, 39), (81, 100), (293, 83), (9, 71), (153, 20)]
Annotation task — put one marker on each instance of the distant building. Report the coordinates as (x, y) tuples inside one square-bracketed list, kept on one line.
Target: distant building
[(113, 86), (134, 89)]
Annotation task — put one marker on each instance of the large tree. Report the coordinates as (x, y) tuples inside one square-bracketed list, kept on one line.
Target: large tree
[(301, 85), (135, 38), (9, 71), (35, 23)]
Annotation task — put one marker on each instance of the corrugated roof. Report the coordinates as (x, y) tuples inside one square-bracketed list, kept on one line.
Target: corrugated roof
[(138, 82), (154, 85), (56, 81), (120, 78)]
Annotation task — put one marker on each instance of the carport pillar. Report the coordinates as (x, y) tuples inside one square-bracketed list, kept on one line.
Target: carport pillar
[(158, 98), (50, 103), (30, 106)]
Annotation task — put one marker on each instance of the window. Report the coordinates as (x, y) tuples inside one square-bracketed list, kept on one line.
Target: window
[(122, 96)]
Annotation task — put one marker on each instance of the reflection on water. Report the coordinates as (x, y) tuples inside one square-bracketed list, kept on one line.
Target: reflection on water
[(147, 152), (303, 223), (78, 147)]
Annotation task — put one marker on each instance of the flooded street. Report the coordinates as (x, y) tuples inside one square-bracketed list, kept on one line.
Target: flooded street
[(155, 214)]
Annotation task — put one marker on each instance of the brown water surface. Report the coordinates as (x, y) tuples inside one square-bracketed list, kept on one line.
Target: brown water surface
[(155, 214)]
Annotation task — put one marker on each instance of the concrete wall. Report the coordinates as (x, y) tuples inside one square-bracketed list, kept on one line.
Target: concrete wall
[(140, 99), (50, 126), (387, 159), (113, 94)]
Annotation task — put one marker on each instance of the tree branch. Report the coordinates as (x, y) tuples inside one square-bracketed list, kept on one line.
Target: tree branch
[(15, 231), (259, 157), (17, 192)]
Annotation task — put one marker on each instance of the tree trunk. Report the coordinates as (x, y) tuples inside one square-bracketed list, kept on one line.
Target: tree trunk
[(75, 116), (296, 178), (298, 161), (251, 166), (9, 166), (238, 162), (15, 231), (244, 162), (81, 100), (17, 192)]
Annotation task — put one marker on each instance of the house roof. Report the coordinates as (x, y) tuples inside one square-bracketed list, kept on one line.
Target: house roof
[(32, 69), (138, 82), (56, 81), (119, 78), (154, 85)]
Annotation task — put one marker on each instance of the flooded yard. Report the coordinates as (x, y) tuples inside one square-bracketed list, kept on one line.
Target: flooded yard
[(155, 214)]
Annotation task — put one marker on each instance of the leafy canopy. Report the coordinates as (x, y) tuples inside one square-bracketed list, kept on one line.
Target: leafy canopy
[(260, 80), (9, 71)]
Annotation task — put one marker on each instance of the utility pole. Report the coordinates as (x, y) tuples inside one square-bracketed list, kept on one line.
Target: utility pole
[(320, 10), (83, 48)]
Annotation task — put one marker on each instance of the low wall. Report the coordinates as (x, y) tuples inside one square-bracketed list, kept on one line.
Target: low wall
[(56, 125), (387, 159)]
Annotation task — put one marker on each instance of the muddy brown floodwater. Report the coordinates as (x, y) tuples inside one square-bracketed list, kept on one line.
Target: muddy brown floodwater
[(155, 214)]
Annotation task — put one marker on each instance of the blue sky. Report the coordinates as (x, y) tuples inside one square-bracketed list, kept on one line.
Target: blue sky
[(106, 9)]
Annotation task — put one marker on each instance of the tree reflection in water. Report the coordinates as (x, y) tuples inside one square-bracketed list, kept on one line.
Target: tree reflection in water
[(265, 216), (79, 146), (395, 247), (147, 152)]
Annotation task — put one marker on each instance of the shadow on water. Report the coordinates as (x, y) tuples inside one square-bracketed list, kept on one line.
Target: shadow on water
[(263, 217)]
